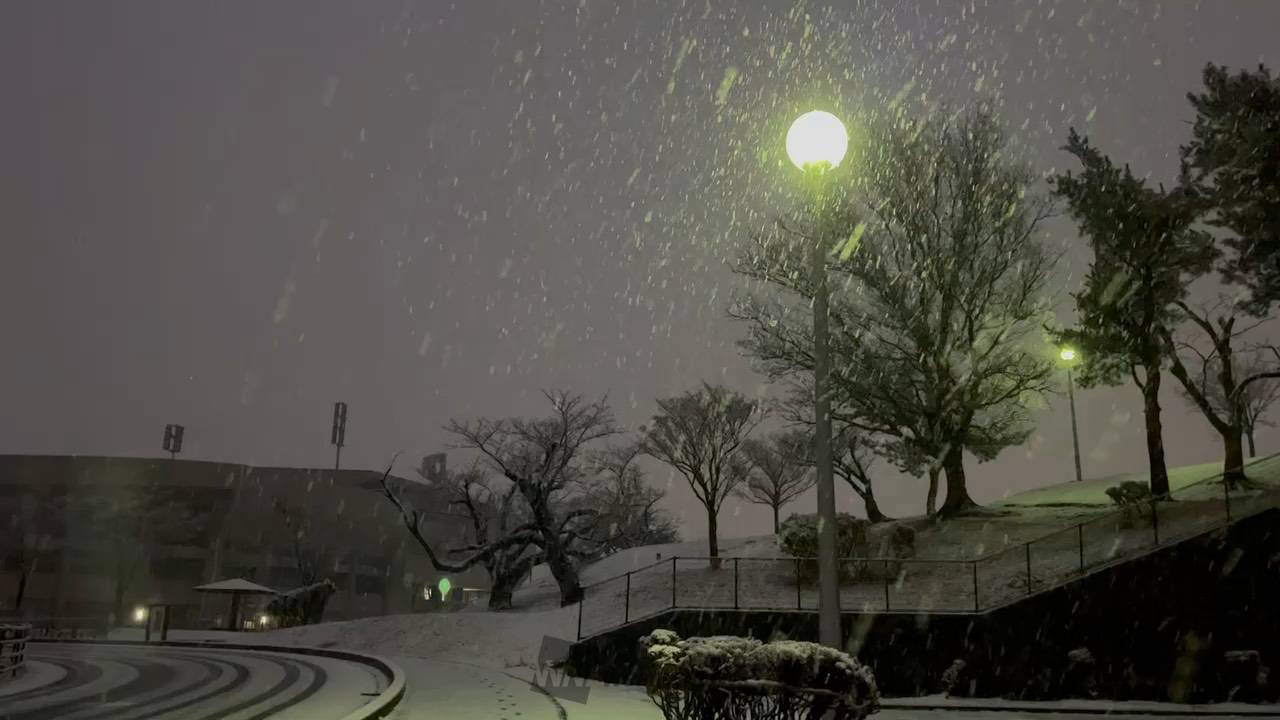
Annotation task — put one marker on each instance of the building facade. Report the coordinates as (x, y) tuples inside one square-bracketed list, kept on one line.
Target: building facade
[(96, 537)]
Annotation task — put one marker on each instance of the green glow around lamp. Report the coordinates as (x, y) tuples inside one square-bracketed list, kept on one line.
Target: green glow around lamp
[(817, 140), (1067, 354), (444, 586)]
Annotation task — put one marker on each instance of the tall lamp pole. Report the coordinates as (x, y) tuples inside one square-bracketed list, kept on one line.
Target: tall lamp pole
[(1068, 355), (816, 143)]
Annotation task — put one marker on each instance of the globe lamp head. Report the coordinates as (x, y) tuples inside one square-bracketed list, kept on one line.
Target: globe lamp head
[(817, 139)]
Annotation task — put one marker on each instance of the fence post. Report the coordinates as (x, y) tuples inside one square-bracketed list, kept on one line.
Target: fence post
[(626, 602), (1028, 546), (581, 599), (886, 586), (673, 580), (976, 606), (1155, 521), (1080, 533), (798, 583), (735, 583)]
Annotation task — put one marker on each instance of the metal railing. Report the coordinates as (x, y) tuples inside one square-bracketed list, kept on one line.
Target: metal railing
[(13, 648), (912, 585)]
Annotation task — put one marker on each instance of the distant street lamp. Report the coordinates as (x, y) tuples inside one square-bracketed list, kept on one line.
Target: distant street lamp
[(173, 439), (338, 434), (1068, 356), (816, 143)]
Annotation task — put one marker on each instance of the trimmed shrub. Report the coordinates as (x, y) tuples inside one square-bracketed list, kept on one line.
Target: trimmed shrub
[(726, 677), (301, 606), (799, 538)]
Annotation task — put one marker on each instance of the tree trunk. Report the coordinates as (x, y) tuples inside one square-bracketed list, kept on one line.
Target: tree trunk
[(502, 588), (1155, 431), (563, 570), (1253, 451), (1233, 458), (713, 543), (957, 498), (931, 502), (775, 519), (872, 507), (118, 619), (23, 573)]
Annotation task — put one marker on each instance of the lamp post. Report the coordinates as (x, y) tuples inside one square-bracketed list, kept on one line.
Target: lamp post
[(1068, 356), (816, 143)]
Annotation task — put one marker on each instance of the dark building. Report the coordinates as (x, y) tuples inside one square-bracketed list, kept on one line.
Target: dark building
[(97, 535)]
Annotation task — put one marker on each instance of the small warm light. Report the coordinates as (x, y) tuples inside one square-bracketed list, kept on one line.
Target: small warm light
[(139, 614), (817, 138), (263, 620), (1067, 354)]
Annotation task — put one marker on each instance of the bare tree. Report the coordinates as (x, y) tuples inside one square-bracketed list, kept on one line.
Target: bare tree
[(1217, 387), (543, 457), (308, 554), (628, 504), (938, 294), (780, 470), (126, 522), (1256, 400), (700, 434), (29, 522), (853, 451), (494, 512), (501, 540)]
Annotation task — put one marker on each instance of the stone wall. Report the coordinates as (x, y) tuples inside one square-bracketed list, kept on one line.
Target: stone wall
[(1158, 628)]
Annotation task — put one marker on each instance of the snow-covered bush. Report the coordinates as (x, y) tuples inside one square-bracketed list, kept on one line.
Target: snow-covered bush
[(956, 681), (897, 542), (731, 677), (1079, 680), (301, 606), (799, 538), (1132, 497)]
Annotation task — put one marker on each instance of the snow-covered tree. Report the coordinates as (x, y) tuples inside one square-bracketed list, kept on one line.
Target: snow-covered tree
[(1234, 161), (629, 515), (543, 458), (937, 278), (1146, 249)]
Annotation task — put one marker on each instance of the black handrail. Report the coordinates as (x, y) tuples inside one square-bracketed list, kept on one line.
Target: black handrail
[(1025, 547)]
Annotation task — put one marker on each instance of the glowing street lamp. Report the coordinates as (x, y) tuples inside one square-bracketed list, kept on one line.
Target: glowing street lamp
[(1068, 356), (817, 142)]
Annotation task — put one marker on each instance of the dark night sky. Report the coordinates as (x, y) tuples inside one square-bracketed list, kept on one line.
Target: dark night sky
[(231, 214)]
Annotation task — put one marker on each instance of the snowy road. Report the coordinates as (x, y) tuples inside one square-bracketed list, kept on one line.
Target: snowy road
[(94, 682)]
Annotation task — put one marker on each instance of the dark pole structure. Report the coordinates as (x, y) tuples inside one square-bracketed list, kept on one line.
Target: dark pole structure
[(1075, 434), (338, 436), (173, 440)]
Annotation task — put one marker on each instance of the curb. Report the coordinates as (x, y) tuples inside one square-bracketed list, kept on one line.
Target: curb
[(1102, 708), (377, 707)]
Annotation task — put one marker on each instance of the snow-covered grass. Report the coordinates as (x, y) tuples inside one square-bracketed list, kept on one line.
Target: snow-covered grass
[(512, 639), (489, 639)]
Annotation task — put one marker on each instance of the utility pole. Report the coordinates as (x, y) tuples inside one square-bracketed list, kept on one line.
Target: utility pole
[(173, 440), (338, 436)]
